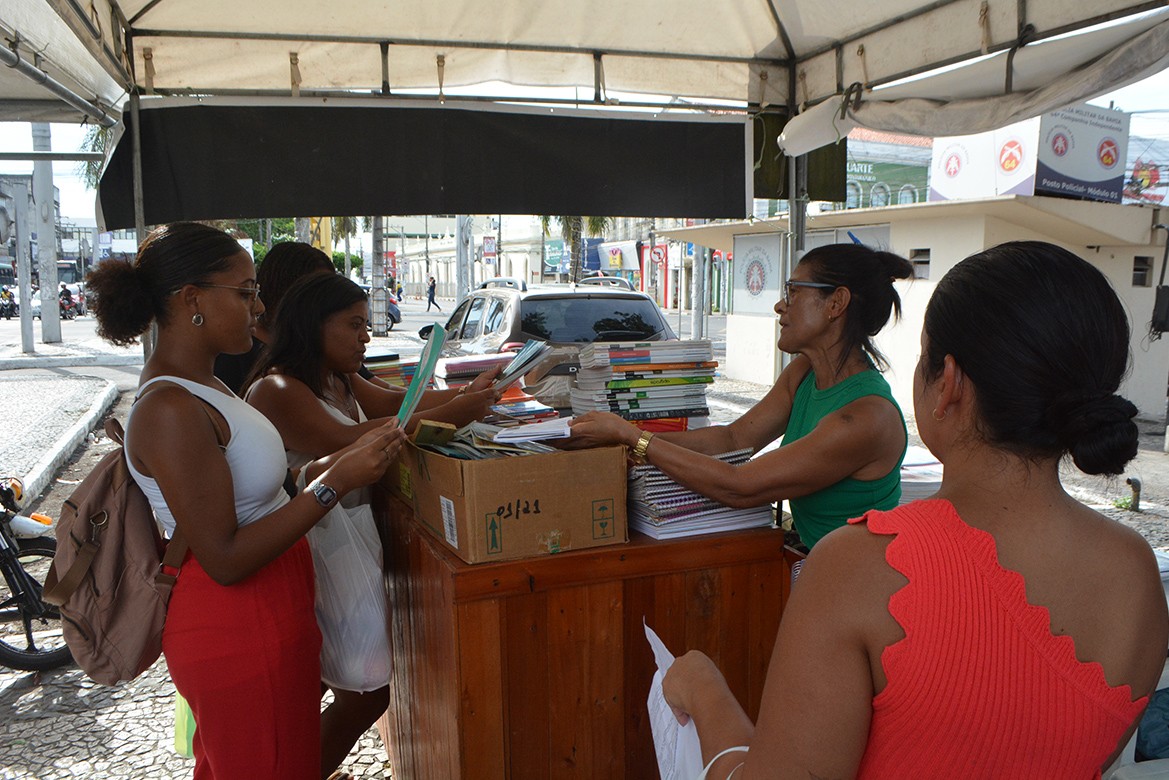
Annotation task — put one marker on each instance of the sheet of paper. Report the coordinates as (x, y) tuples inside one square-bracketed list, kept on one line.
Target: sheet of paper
[(679, 753)]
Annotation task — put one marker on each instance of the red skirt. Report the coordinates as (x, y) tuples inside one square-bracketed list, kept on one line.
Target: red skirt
[(247, 659)]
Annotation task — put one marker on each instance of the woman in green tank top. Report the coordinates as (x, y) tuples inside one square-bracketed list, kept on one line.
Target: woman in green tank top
[(843, 434)]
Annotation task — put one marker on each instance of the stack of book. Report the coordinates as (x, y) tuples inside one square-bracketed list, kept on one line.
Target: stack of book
[(518, 407), (392, 372), (645, 381), (662, 509), (478, 441), (459, 371)]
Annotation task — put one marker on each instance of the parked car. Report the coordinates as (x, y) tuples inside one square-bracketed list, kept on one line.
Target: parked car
[(393, 310), (504, 314), (34, 306)]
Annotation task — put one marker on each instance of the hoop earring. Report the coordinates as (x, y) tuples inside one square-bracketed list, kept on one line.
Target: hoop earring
[(938, 417), (197, 320)]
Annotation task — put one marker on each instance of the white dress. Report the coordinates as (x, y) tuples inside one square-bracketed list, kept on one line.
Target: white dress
[(351, 598)]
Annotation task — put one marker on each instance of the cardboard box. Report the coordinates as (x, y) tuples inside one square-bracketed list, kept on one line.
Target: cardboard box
[(501, 509)]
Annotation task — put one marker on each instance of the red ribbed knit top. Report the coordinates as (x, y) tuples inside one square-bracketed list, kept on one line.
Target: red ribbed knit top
[(979, 687)]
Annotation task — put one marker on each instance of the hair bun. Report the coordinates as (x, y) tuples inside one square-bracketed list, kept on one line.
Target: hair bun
[(1098, 431)]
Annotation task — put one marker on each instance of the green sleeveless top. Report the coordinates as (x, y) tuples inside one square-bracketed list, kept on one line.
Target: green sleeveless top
[(827, 509)]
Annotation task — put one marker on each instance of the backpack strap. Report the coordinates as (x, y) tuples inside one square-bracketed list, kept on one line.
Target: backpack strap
[(57, 592), (176, 549)]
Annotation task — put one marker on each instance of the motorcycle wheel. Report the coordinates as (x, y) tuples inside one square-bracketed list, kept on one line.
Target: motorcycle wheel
[(28, 643)]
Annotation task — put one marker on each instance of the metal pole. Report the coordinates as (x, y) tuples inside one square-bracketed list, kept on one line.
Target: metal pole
[(652, 270), (463, 228), (426, 220), (148, 338), (378, 261)]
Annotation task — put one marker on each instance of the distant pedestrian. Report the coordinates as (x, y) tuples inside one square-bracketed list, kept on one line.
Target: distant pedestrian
[(430, 285)]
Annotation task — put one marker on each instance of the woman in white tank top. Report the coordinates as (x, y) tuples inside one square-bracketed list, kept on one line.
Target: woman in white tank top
[(240, 617)]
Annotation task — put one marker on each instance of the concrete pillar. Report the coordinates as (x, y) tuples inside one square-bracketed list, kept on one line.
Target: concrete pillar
[(45, 220)]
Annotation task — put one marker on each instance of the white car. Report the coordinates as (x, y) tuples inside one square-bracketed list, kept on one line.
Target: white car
[(36, 302)]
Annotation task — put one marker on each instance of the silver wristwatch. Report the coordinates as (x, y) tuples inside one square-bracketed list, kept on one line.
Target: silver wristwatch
[(324, 494)]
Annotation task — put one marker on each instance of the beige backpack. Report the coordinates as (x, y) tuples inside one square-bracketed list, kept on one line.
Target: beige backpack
[(113, 573)]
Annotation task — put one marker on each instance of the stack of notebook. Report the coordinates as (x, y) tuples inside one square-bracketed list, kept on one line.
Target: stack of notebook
[(458, 371), (661, 508), (645, 381), (519, 407), (392, 371)]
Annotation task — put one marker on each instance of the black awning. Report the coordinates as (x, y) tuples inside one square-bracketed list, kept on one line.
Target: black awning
[(263, 160)]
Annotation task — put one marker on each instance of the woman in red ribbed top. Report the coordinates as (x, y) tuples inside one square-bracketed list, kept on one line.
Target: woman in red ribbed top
[(1000, 629)]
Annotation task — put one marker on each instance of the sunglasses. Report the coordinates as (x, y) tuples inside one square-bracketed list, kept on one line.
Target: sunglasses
[(250, 292)]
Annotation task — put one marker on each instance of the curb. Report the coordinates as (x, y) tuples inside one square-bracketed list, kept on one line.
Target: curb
[(42, 473), (69, 361)]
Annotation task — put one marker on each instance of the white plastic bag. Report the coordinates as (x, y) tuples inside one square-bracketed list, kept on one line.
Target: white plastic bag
[(351, 599)]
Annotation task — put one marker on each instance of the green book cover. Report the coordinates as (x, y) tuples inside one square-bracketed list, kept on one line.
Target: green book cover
[(660, 381)]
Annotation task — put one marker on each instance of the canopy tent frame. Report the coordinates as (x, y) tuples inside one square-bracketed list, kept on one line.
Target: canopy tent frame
[(788, 41)]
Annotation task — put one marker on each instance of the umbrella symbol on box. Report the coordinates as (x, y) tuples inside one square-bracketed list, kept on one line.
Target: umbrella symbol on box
[(603, 518)]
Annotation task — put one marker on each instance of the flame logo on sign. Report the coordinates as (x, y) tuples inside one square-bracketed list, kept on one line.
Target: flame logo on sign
[(1011, 156), (1108, 153)]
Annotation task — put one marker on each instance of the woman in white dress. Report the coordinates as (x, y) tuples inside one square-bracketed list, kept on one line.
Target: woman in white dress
[(308, 387)]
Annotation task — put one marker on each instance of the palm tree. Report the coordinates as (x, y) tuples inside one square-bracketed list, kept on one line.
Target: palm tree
[(572, 230), (344, 227), (97, 139)]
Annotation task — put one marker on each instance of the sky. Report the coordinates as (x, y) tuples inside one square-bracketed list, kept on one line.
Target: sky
[(1148, 100)]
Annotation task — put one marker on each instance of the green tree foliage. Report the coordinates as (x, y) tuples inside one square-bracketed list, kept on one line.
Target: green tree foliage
[(339, 261), (572, 230), (97, 139)]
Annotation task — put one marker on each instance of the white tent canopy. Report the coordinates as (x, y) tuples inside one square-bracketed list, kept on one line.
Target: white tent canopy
[(751, 52), (1044, 77)]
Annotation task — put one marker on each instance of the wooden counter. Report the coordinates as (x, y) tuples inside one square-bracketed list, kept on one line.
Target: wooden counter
[(540, 668)]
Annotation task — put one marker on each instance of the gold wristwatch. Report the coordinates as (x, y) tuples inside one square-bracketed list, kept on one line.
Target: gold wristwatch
[(642, 447)]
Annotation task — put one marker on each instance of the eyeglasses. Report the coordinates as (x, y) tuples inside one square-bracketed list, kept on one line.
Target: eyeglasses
[(251, 292), (790, 283)]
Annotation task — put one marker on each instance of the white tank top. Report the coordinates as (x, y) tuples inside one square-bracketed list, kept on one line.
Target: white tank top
[(298, 460), (255, 455)]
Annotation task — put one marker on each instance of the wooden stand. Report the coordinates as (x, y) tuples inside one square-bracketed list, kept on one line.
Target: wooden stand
[(540, 668)]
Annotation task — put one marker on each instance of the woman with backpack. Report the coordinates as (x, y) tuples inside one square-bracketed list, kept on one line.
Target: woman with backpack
[(241, 638)]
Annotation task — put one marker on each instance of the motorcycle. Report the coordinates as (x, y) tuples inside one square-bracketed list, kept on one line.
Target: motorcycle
[(8, 308), (30, 629), (68, 309)]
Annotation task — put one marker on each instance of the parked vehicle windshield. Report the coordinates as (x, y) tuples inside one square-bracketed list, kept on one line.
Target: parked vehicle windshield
[(68, 273), (583, 318)]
